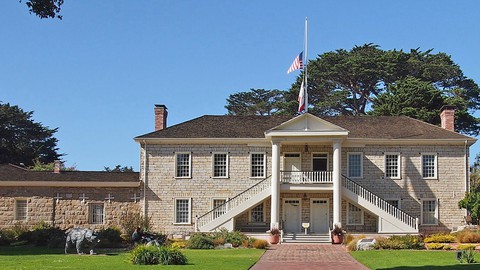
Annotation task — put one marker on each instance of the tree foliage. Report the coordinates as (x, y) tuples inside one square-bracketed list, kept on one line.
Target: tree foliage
[(49, 167), (471, 201), (254, 102), (22, 140), (45, 8), (118, 168)]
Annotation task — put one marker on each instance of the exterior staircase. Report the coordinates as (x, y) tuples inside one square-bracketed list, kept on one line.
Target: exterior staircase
[(300, 238), (235, 206), (390, 218)]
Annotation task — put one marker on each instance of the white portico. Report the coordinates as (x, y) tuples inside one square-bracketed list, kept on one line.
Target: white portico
[(305, 130)]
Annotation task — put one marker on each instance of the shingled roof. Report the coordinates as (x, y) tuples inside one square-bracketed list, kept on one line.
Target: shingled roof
[(359, 127), (9, 172)]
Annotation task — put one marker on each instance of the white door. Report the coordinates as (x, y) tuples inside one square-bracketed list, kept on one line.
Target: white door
[(292, 165), (319, 216), (292, 211)]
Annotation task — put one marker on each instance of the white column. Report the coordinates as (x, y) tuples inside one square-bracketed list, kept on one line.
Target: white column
[(337, 184), (275, 205)]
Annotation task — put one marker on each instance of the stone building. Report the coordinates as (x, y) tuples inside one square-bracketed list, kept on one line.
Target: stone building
[(66, 198), (387, 174)]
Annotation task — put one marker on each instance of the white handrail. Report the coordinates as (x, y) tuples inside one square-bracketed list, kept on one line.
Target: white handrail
[(306, 177)]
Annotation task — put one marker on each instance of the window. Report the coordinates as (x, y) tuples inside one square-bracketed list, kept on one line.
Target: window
[(320, 162), (429, 166), (220, 165), (256, 214), (219, 207), (257, 161), (21, 209), (355, 165), (429, 212), (182, 211), (394, 202), (95, 213), (183, 165), (392, 166), (354, 215)]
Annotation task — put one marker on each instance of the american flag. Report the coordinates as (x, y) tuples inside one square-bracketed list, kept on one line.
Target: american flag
[(297, 63), (301, 99)]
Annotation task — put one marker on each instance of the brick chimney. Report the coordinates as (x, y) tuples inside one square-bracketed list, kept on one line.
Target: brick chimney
[(447, 117), (57, 166), (160, 117)]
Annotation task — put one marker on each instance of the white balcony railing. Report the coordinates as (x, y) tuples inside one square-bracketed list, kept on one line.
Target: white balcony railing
[(302, 177)]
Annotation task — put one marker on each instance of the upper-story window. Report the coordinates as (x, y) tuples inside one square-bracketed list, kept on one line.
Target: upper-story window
[(319, 162), (257, 165), (183, 165), (429, 166), (220, 165), (392, 165), (355, 165)]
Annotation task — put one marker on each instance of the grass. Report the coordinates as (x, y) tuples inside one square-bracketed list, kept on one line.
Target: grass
[(412, 259), (25, 257)]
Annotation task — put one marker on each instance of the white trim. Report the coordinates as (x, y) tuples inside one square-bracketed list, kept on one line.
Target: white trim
[(189, 165), (421, 210), (69, 184), (15, 214), (362, 214), (264, 164), (361, 164), (292, 153), (328, 159), (399, 165), (189, 221), (227, 164), (435, 165), (264, 213)]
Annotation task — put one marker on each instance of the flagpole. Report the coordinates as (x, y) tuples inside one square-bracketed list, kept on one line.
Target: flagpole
[(305, 76)]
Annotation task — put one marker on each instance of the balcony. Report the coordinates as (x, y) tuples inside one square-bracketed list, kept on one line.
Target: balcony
[(306, 177)]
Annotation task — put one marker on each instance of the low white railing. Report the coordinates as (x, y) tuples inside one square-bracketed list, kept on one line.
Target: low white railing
[(305, 177), (380, 203), (233, 202)]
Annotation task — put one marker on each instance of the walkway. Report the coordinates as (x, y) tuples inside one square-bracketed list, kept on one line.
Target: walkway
[(307, 256)]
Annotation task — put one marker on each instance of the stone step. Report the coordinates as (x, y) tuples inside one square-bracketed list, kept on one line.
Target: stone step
[(302, 238)]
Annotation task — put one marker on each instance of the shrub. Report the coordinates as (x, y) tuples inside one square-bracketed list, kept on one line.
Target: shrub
[(467, 256), (236, 238), (468, 236), (180, 243), (466, 247), (5, 239), (436, 246), (348, 238), (151, 255), (399, 242), (352, 244), (110, 238), (260, 244), (132, 220), (439, 238), (47, 236), (200, 241), (218, 241)]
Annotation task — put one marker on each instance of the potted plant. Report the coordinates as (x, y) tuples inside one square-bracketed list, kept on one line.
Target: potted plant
[(337, 234), (274, 236)]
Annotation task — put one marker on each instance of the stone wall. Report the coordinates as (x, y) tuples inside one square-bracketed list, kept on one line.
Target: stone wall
[(68, 211)]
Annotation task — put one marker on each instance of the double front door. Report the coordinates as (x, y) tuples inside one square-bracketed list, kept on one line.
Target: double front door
[(292, 216)]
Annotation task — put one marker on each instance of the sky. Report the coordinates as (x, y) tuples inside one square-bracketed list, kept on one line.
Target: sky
[(97, 74)]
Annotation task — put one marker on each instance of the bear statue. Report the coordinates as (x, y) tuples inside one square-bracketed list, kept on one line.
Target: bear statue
[(81, 238)]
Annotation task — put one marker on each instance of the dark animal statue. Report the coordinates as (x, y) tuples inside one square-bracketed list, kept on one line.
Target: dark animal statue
[(81, 238)]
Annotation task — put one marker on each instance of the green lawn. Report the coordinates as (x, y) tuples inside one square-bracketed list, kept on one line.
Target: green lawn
[(25, 257), (412, 259)]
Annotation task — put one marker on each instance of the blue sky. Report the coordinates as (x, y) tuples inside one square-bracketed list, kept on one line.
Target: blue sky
[(97, 73)]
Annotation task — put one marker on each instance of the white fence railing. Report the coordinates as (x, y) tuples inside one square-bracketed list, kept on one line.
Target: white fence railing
[(305, 177), (380, 203)]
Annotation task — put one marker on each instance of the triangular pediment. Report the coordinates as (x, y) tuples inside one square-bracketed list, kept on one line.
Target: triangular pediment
[(306, 125)]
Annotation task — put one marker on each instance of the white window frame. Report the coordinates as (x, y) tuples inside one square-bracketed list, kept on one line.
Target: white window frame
[(395, 199), (17, 208), (361, 215), (436, 211), (264, 164), (321, 153), (435, 169), (361, 164), (189, 164), (226, 164), (189, 221), (263, 211), (399, 165), (91, 214), (217, 214)]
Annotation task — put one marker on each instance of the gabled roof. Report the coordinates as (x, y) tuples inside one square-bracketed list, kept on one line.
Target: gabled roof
[(358, 127), (9, 172)]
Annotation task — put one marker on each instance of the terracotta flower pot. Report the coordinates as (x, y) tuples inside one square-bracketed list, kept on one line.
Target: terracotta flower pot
[(274, 239), (337, 238)]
